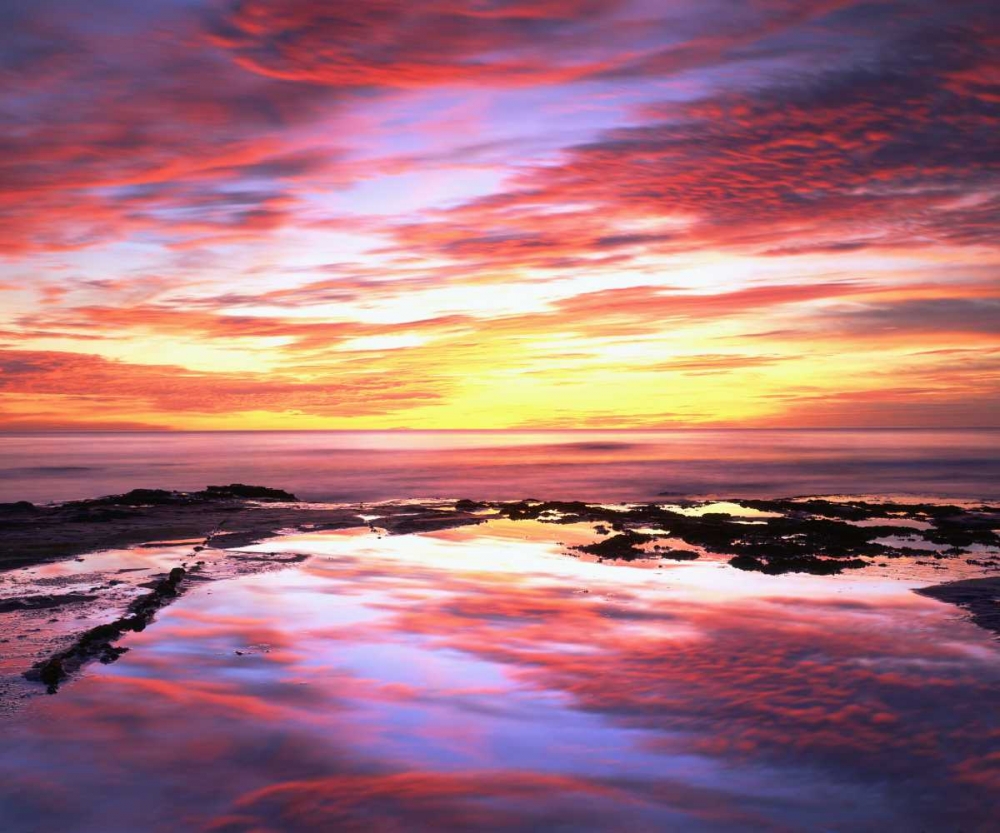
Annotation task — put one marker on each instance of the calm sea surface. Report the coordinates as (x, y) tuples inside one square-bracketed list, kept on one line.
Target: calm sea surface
[(583, 465)]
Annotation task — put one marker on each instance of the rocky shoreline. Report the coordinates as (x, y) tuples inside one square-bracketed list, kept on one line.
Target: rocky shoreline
[(224, 516), (205, 530)]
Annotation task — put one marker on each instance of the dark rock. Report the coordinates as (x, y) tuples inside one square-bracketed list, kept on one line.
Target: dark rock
[(51, 673), (811, 530), (531, 510), (20, 507), (242, 490), (140, 497), (979, 596), (679, 555), (43, 602), (798, 564), (429, 521), (110, 653), (622, 546), (97, 642)]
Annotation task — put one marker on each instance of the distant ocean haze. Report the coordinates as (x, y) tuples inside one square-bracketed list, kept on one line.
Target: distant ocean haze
[(579, 465)]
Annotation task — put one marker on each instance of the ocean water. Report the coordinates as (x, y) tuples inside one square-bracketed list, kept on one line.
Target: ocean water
[(579, 465)]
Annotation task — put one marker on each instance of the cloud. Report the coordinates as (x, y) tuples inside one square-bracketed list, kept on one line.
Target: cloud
[(163, 388), (426, 800), (392, 43), (920, 315), (139, 130), (884, 153)]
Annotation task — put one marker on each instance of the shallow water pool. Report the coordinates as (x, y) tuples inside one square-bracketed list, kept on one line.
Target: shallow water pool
[(483, 678)]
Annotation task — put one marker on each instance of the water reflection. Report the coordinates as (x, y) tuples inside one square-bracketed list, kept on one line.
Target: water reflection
[(481, 678)]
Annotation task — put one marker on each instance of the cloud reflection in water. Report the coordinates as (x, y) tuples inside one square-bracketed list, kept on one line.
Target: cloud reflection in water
[(479, 678)]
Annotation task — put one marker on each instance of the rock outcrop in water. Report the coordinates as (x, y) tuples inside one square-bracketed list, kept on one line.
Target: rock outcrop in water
[(98, 643), (163, 497), (30, 534), (806, 535), (979, 596), (242, 491)]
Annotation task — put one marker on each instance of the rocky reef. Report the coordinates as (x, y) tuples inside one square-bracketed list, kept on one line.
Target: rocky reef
[(808, 535)]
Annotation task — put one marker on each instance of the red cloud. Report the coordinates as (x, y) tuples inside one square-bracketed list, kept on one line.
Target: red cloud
[(834, 161), (142, 131), (392, 43), (166, 388)]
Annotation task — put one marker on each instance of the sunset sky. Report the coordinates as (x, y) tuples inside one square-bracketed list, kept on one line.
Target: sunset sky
[(499, 213)]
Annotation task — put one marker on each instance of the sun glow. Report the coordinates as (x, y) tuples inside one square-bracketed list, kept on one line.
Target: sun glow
[(556, 224)]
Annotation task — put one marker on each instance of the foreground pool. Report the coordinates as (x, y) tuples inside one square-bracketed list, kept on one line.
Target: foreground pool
[(481, 678)]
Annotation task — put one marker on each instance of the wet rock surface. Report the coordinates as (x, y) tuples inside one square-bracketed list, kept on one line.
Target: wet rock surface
[(98, 643), (224, 516), (624, 545), (43, 601), (807, 535), (979, 596)]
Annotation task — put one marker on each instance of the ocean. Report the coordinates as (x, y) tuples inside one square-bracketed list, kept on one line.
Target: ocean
[(597, 466)]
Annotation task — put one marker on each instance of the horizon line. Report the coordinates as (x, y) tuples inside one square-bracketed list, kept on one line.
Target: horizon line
[(658, 429)]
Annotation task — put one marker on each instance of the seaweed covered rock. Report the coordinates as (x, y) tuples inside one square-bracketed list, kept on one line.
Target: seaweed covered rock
[(98, 642)]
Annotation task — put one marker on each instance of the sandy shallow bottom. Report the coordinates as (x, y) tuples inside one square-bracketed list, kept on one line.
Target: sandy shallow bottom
[(481, 678)]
